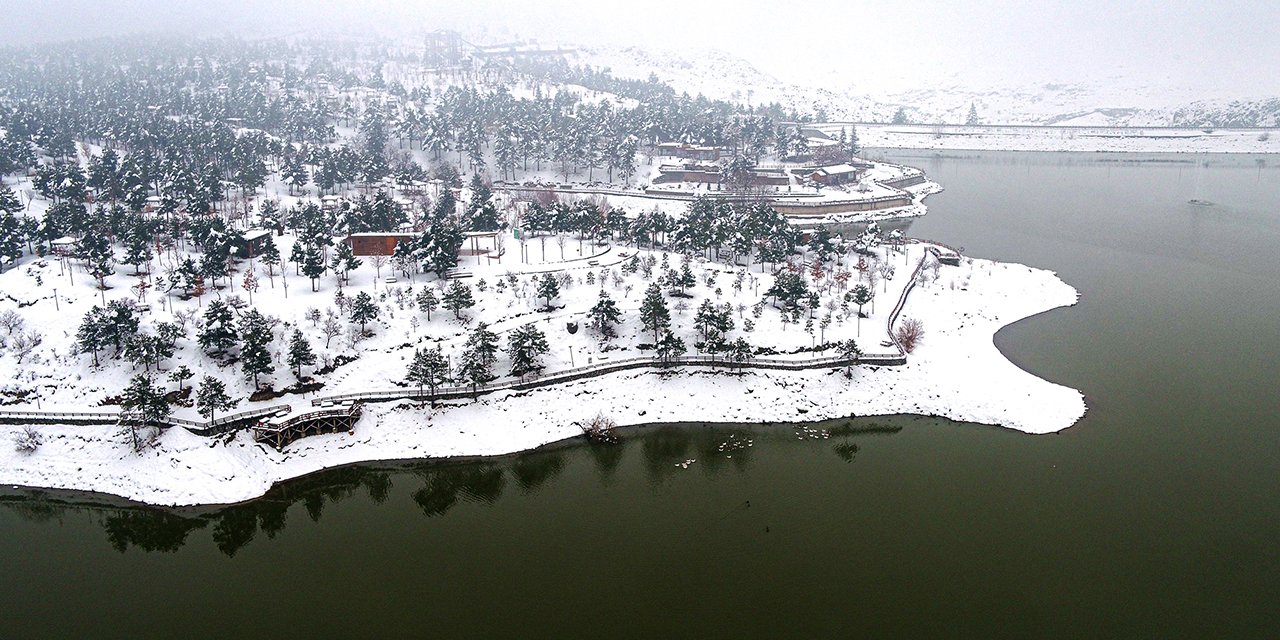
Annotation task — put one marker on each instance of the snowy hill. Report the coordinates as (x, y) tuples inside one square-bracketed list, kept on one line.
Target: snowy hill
[(1115, 101)]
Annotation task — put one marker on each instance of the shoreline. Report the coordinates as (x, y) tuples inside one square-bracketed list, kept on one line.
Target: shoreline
[(188, 470), (1067, 139)]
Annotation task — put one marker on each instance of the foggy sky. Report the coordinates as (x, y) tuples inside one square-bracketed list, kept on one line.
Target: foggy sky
[(1223, 48)]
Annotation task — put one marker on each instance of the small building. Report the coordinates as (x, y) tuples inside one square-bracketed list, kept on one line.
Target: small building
[(689, 151), (64, 247), (835, 174), (152, 204), (251, 243), (377, 243)]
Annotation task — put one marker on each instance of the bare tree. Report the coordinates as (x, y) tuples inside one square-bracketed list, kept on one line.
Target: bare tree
[(24, 343), (10, 320), (910, 334), (331, 329)]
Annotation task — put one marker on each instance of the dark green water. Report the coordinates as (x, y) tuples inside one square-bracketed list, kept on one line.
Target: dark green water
[(1157, 516)]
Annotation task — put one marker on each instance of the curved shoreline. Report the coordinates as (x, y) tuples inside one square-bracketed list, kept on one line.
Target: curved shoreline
[(939, 380)]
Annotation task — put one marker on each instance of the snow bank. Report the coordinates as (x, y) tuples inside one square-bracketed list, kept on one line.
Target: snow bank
[(956, 372)]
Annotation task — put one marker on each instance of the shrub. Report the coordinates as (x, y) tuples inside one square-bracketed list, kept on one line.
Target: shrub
[(27, 440), (600, 428), (910, 333)]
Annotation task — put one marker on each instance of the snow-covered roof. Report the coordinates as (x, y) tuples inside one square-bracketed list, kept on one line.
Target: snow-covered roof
[(254, 234), (64, 241), (837, 169)]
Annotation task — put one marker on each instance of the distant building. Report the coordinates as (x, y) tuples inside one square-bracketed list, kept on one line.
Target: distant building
[(377, 243), (689, 151), (836, 174)]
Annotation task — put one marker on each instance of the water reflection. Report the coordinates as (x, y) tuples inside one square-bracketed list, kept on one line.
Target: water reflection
[(436, 487), (149, 530)]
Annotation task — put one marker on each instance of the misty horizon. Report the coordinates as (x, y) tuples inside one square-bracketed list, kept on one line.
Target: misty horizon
[(1204, 52)]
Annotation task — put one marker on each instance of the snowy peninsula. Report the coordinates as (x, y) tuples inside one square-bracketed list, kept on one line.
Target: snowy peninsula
[(256, 266), (956, 372)]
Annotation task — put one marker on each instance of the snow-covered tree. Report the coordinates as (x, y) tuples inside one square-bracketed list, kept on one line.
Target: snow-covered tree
[(548, 288), (300, 353), (143, 406), (526, 346), (218, 332), (255, 352), (211, 398), (181, 375), (427, 301), (458, 297), (428, 368), (670, 347), (363, 309), (654, 315), (604, 315)]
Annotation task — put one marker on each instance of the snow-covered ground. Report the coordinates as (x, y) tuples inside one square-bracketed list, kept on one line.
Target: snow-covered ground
[(956, 372), (1115, 100)]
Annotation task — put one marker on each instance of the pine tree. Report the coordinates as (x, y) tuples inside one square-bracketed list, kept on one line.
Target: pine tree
[(427, 301), (137, 246), (482, 215), (483, 343), (428, 368), (312, 264), (478, 356), (300, 353), (788, 288), (91, 335), (849, 350), (143, 405), (604, 315), (181, 375), (211, 397), (654, 315), (526, 346), (95, 248), (344, 262), (363, 309), (860, 295), (417, 372), (10, 240), (218, 332), (458, 297), (670, 347), (740, 350), (295, 173), (706, 320), (548, 288), (686, 279), (972, 118), (297, 255), (255, 353), (271, 259)]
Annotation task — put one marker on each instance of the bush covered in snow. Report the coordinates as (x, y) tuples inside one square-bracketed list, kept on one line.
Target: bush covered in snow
[(27, 440)]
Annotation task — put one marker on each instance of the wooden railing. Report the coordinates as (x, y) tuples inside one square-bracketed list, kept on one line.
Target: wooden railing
[(219, 424)]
